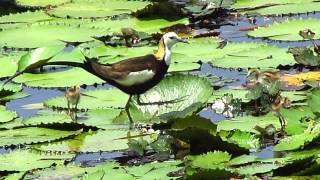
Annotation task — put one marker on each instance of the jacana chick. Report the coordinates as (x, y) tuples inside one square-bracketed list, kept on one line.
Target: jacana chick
[(72, 96)]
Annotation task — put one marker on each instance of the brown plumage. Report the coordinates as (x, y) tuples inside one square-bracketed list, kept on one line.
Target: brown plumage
[(72, 96)]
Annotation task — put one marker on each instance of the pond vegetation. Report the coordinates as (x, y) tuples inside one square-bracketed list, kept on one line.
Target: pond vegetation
[(241, 100)]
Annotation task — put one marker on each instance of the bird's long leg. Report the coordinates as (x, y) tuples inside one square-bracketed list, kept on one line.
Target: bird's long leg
[(160, 102), (128, 112), (69, 111)]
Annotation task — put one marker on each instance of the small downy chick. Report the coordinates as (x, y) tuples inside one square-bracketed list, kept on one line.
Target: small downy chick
[(130, 34), (278, 103), (72, 96)]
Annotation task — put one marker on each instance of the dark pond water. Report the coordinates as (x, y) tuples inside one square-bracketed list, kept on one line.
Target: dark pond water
[(228, 32)]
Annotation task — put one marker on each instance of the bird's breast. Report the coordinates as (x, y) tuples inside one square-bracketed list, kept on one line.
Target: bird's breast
[(135, 78)]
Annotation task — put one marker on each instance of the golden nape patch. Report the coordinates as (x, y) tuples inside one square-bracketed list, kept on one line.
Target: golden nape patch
[(161, 50)]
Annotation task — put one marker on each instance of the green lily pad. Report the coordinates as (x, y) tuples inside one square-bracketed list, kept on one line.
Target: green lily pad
[(24, 160), (102, 140), (159, 170), (243, 139), (210, 160), (179, 67), (245, 55), (294, 8), (257, 168), (97, 8), (31, 135), (243, 159), (295, 116), (17, 95), (10, 64), (209, 165), (96, 99), (248, 123), (294, 96), (100, 118), (189, 92), (299, 140), (313, 100), (9, 89), (42, 3), (59, 172), (193, 129), (305, 56), (22, 19), (287, 30), (67, 78), (38, 57), (46, 34), (15, 176), (247, 4), (5, 115)]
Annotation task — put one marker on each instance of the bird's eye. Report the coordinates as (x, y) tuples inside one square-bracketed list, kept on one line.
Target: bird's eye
[(172, 37)]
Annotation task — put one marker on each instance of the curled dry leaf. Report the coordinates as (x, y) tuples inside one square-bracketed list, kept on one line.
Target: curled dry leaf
[(299, 78)]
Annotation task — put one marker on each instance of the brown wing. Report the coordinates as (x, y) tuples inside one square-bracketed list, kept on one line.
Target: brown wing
[(123, 68)]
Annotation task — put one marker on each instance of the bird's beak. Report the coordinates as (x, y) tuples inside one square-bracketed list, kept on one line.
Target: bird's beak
[(183, 40)]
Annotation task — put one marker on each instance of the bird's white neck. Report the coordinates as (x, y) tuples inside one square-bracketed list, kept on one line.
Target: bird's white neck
[(163, 53), (167, 56)]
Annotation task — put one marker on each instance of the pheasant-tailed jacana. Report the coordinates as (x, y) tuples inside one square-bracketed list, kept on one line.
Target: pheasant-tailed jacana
[(133, 76)]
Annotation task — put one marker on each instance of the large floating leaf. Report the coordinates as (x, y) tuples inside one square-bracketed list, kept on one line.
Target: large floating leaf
[(10, 64), (67, 78), (305, 56), (148, 25), (97, 8), (59, 172), (260, 3), (38, 56), (241, 94), (208, 166), (111, 170), (46, 34), (293, 115), (96, 99), (42, 3), (243, 139), (189, 92), (248, 123), (314, 100), (257, 168), (210, 160), (245, 55), (287, 30), (22, 19), (6, 115), (197, 130), (9, 89), (107, 140), (32, 135), (294, 8), (159, 170), (100, 118), (299, 140), (24, 160)]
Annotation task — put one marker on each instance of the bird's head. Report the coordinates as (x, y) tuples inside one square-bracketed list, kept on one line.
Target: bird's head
[(171, 38)]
